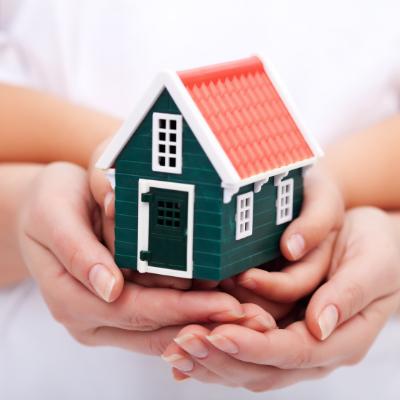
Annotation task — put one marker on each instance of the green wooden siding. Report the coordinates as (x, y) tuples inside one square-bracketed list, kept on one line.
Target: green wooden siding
[(263, 245), (216, 253), (134, 163)]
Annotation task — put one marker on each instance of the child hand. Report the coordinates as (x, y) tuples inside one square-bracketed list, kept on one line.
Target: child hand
[(362, 292), (313, 234), (59, 232)]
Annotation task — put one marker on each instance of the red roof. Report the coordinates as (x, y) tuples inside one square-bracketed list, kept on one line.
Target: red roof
[(246, 115)]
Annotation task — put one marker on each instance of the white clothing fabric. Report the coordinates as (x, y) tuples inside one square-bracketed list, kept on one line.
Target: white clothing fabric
[(340, 61)]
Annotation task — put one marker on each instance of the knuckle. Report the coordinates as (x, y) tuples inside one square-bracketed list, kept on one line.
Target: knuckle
[(304, 360), (137, 322), (60, 315), (263, 384), (357, 357), (225, 364), (83, 337), (353, 296)]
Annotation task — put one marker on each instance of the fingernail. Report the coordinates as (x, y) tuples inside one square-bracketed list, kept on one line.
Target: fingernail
[(258, 320), (327, 320), (224, 344), (248, 284), (102, 281), (227, 284), (180, 379), (296, 246), (107, 200), (179, 362), (193, 345), (225, 316)]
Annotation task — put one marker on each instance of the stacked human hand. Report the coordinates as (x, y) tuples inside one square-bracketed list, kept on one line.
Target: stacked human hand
[(59, 234)]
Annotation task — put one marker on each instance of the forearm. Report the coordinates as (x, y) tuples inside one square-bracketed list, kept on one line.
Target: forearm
[(15, 180), (366, 166), (39, 128)]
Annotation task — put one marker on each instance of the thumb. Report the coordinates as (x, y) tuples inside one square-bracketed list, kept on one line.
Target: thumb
[(58, 216), (99, 184), (322, 212), (367, 269)]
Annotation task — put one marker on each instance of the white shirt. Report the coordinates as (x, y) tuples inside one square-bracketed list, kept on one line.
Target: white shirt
[(340, 61)]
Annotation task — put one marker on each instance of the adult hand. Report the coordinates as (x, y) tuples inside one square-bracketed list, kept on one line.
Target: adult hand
[(59, 232), (362, 292)]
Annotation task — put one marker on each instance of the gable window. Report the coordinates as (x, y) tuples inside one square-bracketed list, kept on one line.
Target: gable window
[(244, 215), (284, 202), (167, 143)]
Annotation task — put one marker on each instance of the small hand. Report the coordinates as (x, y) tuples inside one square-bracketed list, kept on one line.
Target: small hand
[(309, 238), (362, 292)]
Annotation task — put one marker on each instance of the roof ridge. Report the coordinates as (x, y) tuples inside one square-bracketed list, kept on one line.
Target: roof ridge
[(213, 73)]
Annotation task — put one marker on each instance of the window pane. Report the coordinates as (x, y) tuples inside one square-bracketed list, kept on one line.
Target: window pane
[(172, 137), (162, 123), (172, 162), (161, 161), (169, 204), (247, 202), (172, 124), (161, 148), (172, 149), (162, 136), (246, 226), (247, 214)]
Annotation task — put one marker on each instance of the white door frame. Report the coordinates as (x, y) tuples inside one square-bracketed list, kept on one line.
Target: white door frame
[(143, 227)]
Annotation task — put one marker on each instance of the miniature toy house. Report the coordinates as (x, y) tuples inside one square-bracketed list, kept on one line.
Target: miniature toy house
[(208, 171)]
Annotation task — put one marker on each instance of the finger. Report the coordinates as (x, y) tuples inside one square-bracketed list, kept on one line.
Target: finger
[(322, 212), (99, 184), (179, 376), (180, 360), (60, 219), (256, 318), (358, 280), (137, 308), (293, 282), (208, 361), (277, 310), (296, 347)]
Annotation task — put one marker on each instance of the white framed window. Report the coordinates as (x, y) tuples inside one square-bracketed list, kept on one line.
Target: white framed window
[(284, 202), (167, 143), (244, 215)]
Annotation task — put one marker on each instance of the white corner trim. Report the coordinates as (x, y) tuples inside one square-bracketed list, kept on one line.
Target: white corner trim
[(171, 81), (229, 192), (279, 177), (143, 227), (110, 175), (305, 170), (259, 184), (289, 104)]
